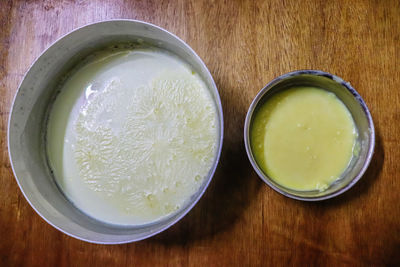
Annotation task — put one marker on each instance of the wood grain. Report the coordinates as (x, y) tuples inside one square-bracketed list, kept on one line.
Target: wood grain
[(240, 221)]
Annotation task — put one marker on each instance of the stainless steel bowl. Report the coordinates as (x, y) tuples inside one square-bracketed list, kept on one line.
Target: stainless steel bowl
[(359, 111), (27, 124)]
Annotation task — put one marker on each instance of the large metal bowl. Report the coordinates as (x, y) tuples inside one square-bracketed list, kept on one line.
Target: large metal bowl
[(27, 126), (359, 111)]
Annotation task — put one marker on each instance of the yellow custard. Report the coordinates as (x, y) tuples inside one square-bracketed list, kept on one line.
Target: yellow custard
[(303, 138)]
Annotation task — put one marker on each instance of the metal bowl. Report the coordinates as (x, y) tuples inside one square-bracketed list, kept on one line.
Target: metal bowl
[(27, 126), (361, 116)]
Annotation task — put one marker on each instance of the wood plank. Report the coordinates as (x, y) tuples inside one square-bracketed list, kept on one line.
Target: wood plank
[(240, 221)]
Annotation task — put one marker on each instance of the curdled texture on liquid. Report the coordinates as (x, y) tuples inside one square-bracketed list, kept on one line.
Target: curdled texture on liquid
[(140, 147), (303, 138)]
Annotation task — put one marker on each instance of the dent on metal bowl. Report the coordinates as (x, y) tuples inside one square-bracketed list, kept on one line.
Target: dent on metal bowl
[(359, 111), (27, 126)]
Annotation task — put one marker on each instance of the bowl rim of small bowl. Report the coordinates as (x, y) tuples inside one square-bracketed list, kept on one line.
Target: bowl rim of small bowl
[(219, 111), (355, 94)]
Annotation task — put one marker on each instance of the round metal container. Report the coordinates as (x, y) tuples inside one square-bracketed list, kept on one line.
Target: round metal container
[(359, 111), (27, 127)]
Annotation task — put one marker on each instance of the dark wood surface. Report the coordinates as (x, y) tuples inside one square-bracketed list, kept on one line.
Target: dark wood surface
[(240, 221)]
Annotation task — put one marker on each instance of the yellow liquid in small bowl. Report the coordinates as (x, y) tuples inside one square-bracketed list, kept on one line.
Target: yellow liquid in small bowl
[(303, 138)]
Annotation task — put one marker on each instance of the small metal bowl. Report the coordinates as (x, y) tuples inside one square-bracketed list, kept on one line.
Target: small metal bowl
[(27, 123), (359, 111)]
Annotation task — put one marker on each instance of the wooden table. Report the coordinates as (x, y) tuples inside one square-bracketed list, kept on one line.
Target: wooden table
[(240, 220)]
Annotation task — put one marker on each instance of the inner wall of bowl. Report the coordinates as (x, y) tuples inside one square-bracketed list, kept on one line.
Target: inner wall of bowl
[(357, 111), (28, 125)]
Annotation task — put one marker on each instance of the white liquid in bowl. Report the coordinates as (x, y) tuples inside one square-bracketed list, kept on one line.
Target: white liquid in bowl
[(132, 136)]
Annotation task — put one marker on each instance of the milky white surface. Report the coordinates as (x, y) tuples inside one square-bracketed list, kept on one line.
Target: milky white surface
[(132, 136)]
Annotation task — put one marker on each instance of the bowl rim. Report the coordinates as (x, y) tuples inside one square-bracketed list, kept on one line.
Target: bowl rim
[(355, 94), (212, 171)]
